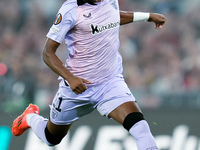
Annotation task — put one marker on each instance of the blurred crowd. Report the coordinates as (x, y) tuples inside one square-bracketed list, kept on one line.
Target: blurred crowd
[(161, 67)]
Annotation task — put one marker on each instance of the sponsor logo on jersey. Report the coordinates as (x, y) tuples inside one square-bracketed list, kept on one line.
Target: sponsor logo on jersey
[(129, 94), (87, 16), (58, 19), (95, 29)]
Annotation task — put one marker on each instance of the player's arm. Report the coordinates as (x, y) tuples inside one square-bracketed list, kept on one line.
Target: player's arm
[(126, 17), (129, 17), (51, 59)]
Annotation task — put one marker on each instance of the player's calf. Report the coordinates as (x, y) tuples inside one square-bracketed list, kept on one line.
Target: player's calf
[(139, 129), (132, 119), (53, 139)]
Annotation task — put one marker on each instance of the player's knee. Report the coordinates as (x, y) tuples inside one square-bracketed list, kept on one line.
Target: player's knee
[(52, 139), (132, 119)]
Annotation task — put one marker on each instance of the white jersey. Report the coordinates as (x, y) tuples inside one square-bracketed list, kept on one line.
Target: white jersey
[(91, 33)]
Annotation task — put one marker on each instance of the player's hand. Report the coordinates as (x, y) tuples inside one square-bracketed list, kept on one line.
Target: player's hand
[(158, 19), (77, 84)]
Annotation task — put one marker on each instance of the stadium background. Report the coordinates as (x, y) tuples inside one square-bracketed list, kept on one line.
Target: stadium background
[(161, 67)]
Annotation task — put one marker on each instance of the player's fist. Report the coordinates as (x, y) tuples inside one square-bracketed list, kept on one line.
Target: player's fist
[(158, 19), (77, 84)]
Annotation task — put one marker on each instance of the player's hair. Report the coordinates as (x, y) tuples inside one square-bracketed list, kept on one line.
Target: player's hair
[(81, 2)]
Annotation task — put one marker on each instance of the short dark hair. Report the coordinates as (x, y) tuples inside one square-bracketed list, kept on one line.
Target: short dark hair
[(81, 2)]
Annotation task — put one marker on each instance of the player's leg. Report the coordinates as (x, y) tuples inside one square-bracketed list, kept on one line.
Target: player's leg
[(130, 116), (66, 108), (120, 113), (118, 103), (48, 132)]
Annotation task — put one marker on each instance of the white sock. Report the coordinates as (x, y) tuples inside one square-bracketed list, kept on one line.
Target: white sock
[(28, 118), (143, 137), (38, 125)]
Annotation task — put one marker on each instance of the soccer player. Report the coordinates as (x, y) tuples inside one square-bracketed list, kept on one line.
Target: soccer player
[(92, 75)]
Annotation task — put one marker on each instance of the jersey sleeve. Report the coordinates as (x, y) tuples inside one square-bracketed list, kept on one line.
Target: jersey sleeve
[(65, 20)]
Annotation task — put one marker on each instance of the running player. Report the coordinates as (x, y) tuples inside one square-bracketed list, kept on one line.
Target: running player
[(92, 76)]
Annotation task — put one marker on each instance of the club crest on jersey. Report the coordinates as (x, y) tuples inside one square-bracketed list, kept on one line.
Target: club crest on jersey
[(54, 113), (58, 19)]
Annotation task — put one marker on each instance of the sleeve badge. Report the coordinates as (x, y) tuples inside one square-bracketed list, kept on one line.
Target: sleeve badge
[(58, 19)]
